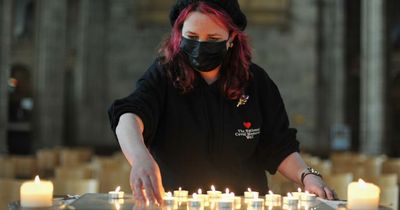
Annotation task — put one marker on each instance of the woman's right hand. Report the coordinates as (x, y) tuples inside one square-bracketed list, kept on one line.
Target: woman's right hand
[(145, 179)]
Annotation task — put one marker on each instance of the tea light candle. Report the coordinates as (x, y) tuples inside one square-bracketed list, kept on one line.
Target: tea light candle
[(168, 199), (213, 193), (257, 202), (362, 195), (225, 204), (250, 194), (298, 194), (202, 196), (272, 198), (36, 193), (180, 193), (116, 194), (290, 200), (227, 195), (194, 201), (309, 197)]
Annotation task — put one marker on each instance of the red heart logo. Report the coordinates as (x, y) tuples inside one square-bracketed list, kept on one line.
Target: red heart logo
[(247, 124)]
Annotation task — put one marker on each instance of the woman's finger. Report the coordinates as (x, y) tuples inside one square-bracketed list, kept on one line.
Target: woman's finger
[(138, 193), (329, 193), (157, 187), (148, 187)]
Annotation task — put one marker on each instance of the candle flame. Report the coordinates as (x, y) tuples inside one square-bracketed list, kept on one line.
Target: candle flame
[(169, 194), (117, 189), (212, 188), (232, 194), (299, 189), (37, 179), (227, 190), (180, 188), (194, 195), (199, 191), (270, 192), (361, 183), (289, 195), (307, 192), (248, 189)]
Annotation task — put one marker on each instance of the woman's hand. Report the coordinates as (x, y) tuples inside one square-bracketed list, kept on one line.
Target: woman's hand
[(314, 184), (145, 179)]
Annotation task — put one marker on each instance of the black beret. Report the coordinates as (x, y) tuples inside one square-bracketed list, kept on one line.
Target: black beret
[(230, 6)]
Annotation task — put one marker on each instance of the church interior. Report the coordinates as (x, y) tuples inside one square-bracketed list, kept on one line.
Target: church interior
[(63, 62)]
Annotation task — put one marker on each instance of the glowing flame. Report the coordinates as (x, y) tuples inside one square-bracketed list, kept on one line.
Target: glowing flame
[(248, 189), (199, 191), (270, 192), (212, 188), (37, 179), (117, 189), (299, 189)]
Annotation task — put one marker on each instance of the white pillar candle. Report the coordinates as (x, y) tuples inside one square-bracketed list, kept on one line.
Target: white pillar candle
[(181, 193), (272, 198), (36, 193), (212, 194), (362, 196), (250, 194), (116, 194)]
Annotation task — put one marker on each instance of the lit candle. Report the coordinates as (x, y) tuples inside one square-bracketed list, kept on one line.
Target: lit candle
[(362, 195), (36, 193), (257, 202), (250, 194), (180, 193), (227, 195), (290, 200), (168, 199), (213, 193), (194, 201), (202, 196), (225, 203), (298, 194), (116, 194), (272, 198), (309, 197)]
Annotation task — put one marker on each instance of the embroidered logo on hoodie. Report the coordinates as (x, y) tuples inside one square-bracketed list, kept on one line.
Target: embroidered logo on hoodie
[(247, 132)]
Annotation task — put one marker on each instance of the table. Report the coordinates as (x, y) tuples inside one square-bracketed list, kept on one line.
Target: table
[(96, 201)]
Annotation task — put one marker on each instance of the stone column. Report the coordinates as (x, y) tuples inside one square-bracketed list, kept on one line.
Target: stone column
[(5, 43), (89, 75), (331, 79), (372, 120), (49, 73)]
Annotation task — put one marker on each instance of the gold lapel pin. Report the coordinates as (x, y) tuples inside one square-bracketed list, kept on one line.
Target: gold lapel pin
[(242, 100)]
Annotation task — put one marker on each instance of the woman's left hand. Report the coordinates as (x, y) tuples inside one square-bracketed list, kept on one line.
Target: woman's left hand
[(314, 184)]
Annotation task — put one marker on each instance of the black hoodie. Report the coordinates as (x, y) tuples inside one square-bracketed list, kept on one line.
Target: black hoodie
[(202, 138)]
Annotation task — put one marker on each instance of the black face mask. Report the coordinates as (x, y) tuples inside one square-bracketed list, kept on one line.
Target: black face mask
[(204, 56)]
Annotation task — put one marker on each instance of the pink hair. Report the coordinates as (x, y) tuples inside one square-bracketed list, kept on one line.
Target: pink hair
[(235, 68)]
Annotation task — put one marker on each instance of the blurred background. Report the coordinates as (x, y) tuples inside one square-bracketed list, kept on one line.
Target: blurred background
[(63, 62)]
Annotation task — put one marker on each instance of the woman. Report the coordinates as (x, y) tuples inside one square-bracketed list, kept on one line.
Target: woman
[(204, 114)]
